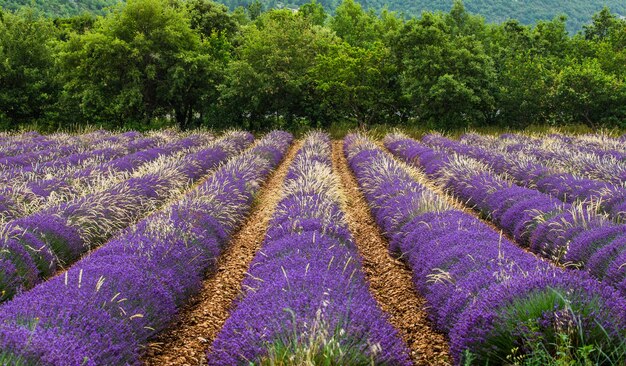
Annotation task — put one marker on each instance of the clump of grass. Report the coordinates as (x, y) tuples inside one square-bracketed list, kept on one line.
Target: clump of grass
[(321, 345), (551, 338)]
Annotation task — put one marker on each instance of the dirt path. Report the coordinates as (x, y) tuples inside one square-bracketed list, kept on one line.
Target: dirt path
[(390, 280), (187, 340)]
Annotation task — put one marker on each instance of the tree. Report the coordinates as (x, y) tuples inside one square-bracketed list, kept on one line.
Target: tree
[(586, 94), (270, 77), (525, 76), (449, 80), (356, 82), (354, 25), (142, 62), (208, 17), (255, 8), (314, 12), (603, 23), (27, 74)]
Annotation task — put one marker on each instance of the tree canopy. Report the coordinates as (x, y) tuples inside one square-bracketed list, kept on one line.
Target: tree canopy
[(191, 63)]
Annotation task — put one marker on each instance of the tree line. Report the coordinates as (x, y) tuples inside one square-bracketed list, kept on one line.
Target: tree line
[(152, 63)]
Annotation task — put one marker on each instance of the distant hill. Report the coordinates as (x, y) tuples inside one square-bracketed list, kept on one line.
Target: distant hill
[(578, 12), (61, 7)]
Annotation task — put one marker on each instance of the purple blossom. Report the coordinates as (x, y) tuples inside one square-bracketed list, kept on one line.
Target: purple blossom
[(59, 235), (306, 282), (104, 308)]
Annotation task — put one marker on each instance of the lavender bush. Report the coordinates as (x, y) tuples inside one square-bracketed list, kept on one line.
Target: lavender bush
[(104, 308), (571, 235), (306, 300), (36, 246), (497, 303), (609, 197)]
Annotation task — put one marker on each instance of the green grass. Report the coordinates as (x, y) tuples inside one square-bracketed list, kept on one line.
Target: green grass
[(562, 343)]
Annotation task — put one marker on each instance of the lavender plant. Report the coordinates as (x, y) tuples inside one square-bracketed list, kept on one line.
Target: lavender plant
[(103, 310), (608, 197), (572, 235), (36, 246), (306, 300), (497, 303)]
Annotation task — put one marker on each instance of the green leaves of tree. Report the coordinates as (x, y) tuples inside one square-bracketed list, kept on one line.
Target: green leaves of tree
[(144, 61), (29, 86)]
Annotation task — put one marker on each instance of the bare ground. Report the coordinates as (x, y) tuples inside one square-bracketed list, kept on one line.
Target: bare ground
[(186, 341), (390, 279)]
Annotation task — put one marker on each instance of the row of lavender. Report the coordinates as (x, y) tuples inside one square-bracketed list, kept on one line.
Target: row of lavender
[(601, 146), (606, 197), (54, 148), (114, 146), (36, 246), (566, 234), (23, 198), (103, 310), (554, 153), (305, 296), (20, 152), (14, 145), (497, 303)]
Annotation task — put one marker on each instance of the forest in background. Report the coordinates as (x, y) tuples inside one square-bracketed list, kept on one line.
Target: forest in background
[(578, 12), (190, 63)]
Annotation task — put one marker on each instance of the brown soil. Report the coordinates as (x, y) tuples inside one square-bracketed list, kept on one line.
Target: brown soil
[(390, 280), (186, 341)]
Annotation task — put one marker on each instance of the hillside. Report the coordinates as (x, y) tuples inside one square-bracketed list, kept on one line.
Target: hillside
[(61, 7), (578, 12)]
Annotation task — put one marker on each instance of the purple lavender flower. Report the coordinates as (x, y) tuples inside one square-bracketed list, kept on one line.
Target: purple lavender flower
[(305, 288), (104, 308), (487, 294)]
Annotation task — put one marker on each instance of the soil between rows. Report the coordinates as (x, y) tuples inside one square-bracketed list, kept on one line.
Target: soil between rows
[(390, 279), (186, 341)]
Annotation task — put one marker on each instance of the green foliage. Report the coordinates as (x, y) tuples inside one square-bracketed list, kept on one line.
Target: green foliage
[(27, 72), (445, 73), (314, 12), (153, 63), (356, 82), (559, 341), (143, 62), (588, 94), (209, 18), (61, 8), (269, 79), (578, 12), (319, 345)]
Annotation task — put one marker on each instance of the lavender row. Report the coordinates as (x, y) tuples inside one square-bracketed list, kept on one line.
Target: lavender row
[(36, 246), (107, 306), (10, 142), (27, 142), (306, 297), (567, 234), (54, 149), (545, 144), (602, 141), (496, 302), (606, 197), (109, 148), (603, 148), (609, 166), (34, 196)]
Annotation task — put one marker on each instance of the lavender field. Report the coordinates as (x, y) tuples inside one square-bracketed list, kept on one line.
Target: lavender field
[(222, 248)]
